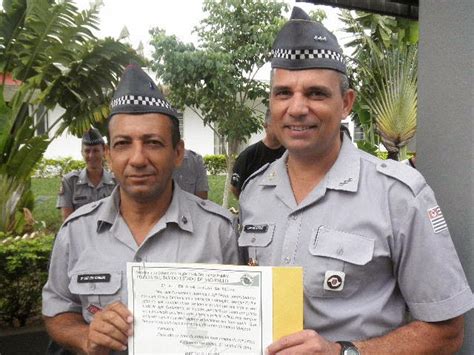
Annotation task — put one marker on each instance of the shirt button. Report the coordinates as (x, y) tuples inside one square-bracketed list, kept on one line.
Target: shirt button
[(287, 260), (383, 165), (92, 287), (294, 218), (253, 240), (203, 203), (138, 259)]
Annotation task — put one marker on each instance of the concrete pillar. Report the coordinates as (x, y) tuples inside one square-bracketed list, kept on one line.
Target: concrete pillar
[(445, 134)]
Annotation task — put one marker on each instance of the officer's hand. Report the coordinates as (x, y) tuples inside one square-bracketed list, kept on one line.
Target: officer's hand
[(110, 329), (305, 342)]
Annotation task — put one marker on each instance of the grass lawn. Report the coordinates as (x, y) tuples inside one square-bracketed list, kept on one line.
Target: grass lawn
[(46, 190)]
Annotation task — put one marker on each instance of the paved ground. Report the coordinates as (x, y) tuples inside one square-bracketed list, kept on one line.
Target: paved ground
[(31, 341)]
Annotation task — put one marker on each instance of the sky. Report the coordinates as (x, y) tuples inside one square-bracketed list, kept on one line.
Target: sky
[(177, 17)]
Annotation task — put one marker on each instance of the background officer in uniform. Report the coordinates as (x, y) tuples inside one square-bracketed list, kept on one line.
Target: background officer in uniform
[(89, 184), (147, 218), (191, 175), (381, 275), (255, 156)]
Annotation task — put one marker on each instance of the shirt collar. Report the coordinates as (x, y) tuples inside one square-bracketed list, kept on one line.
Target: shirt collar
[(177, 212), (111, 208), (107, 178), (83, 178), (343, 175)]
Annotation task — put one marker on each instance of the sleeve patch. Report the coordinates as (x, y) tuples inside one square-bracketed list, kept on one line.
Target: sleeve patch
[(437, 219)]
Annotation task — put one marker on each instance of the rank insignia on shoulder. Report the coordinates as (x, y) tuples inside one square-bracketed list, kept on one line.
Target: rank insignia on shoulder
[(260, 228), (334, 280), (86, 278)]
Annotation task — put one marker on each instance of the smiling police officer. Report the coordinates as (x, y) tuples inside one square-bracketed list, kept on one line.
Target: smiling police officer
[(147, 218), (381, 275), (89, 184)]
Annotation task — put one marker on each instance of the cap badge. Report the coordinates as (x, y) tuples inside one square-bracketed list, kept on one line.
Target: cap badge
[(320, 38)]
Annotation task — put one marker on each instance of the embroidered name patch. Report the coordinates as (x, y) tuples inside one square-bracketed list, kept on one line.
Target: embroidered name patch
[(86, 278), (261, 228), (437, 219)]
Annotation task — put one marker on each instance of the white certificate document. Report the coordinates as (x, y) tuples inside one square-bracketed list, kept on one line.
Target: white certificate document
[(199, 308)]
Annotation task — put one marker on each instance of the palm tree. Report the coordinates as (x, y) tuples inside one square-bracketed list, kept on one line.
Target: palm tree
[(49, 48), (394, 103), (385, 76)]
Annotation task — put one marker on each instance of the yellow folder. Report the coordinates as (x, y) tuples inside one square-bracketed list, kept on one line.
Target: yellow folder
[(287, 300)]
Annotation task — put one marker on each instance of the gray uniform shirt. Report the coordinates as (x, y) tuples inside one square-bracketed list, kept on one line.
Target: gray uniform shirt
[(371, 239), (191, 176), (95, 242), (77, 190)]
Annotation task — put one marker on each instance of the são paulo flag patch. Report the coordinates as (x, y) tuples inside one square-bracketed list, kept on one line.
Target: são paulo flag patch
[(437, 219)]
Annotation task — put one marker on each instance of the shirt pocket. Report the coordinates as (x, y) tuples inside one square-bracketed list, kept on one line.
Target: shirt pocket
[(338, 255), (256, 238), (102, 288)]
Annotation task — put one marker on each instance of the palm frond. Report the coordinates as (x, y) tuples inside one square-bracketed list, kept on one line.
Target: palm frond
[(394, 103)]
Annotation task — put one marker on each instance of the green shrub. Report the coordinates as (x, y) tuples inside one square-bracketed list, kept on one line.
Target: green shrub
[(215, 164), (24, 264), (57, 167)]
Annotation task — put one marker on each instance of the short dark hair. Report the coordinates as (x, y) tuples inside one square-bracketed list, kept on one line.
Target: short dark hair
[(175, 134)]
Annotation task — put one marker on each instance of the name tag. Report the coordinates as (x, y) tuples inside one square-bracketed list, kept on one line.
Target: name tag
[(261, 228), (80, 198), (93, 278)]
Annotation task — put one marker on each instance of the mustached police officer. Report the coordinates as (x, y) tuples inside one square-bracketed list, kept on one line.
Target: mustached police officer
[(89, 184), (147, 218), (381, 274)]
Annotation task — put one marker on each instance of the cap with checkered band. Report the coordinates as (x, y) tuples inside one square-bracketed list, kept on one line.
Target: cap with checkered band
[(138, 94), (92, 137), (306, 44)]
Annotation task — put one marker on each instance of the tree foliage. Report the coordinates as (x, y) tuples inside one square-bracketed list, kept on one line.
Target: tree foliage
[(217, 78), (384, 73), (48, 47)]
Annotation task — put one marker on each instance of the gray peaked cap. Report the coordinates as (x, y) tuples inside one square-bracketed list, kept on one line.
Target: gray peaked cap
[(306, 44), (92, 137), (136, 93)]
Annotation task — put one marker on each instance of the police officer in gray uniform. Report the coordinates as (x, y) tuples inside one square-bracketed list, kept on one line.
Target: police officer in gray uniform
[(191, 175), (381, 274), (147, 218), (89, 184)]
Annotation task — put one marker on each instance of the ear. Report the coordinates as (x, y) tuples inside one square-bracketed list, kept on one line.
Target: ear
[(107, 154), (179, 153), (348, 101)]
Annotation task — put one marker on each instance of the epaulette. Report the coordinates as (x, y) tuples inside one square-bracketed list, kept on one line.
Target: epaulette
[(72, 173), (83, 211), (214, 208), (255, 174), (403, 173)]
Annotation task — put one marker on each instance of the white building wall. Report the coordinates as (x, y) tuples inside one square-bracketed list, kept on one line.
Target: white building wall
[(196, 136), (64, 146)]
